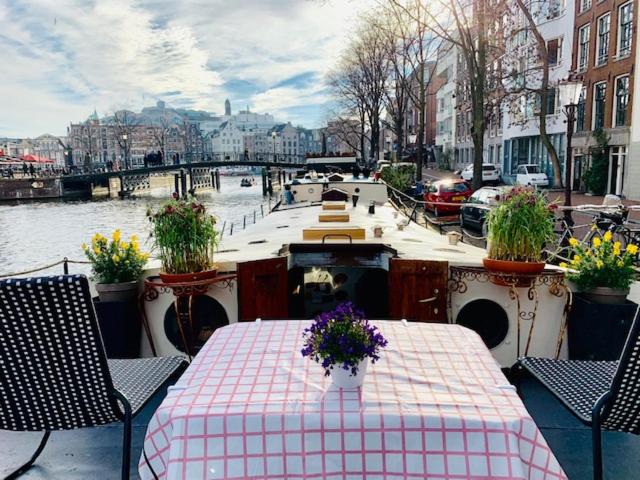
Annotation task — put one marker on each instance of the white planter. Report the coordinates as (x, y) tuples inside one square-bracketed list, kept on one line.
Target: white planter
[(342, 378)]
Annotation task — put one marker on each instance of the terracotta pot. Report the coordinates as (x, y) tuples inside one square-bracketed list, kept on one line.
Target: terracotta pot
[(606, 295), (117, 292), (514, 269), (188, 277)]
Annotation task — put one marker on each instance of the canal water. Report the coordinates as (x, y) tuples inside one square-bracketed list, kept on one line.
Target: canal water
[(33, 234)]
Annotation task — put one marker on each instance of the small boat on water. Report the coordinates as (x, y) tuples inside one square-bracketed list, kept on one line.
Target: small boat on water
[(246, 182)]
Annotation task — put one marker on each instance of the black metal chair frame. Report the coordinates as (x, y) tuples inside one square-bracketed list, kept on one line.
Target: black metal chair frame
[(606, 412), (118, 406)]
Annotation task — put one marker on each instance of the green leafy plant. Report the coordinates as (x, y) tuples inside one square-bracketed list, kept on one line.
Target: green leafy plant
[(185, 235), (602, 264), (520, 226), (399, 177), (595, 178), (115, 261)]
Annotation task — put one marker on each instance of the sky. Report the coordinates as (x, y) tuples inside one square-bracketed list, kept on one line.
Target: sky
[(61, 59)]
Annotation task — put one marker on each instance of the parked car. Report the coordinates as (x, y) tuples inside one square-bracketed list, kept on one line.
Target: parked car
[(449, 191), (474, 211), (490, 173), (531, 175)]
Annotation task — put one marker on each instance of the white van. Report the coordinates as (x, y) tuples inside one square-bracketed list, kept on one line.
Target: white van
[(531, 175)]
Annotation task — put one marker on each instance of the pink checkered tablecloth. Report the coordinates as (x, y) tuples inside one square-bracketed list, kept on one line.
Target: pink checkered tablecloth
[(435, 406)]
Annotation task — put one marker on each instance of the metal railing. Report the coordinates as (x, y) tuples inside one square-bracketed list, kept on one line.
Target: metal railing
[(250, 218), (64, 262)]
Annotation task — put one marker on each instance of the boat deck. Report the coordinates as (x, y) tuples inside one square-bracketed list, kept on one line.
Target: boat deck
[(95, 452)]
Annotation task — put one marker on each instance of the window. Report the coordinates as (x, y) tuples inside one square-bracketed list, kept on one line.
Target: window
[(621, 101), (585, 5), (602, 42), (554, 51), (583, 47), (599, 95), (625, 29), (580, 113), (551, 101)]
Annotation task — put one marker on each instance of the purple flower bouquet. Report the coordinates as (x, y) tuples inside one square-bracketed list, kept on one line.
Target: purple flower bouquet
[(344, 338)]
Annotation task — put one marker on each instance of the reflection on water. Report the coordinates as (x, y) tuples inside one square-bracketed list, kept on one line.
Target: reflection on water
[(37, 233)]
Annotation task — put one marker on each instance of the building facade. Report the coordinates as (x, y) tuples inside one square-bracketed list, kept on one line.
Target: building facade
[(604, 53), (522, 142)]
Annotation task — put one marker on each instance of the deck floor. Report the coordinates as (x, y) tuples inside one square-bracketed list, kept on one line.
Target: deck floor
[(95, 453)]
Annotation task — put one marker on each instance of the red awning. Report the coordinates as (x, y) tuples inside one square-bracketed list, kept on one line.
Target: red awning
[(35, 159)]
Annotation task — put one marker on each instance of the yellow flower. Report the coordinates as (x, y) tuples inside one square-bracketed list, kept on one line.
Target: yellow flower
[(573, 242), (116, 236), (587, 253), (632, 249), (563, 265), (134, 238), (84, 246), (616, 248), (594, 227), (124, 245), (607, 236), (597, 242), (620, 263), (96, 250), (599, 263), (577, 258), (115, 259), (135, 246)]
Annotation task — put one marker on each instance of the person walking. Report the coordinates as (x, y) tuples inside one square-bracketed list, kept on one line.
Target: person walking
[(32, 170), (25, 169)]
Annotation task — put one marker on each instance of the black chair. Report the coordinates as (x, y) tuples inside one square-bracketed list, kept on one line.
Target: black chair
[(54, 374), (602, 394)]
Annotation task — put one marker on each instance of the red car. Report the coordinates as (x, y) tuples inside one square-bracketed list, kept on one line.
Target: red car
[(448, 191)]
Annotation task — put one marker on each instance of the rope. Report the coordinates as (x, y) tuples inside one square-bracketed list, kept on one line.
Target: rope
[(39, 269)]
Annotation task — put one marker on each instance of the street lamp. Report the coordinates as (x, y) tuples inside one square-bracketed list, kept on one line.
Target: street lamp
[(126, 160), (273, 136), (569, 91)]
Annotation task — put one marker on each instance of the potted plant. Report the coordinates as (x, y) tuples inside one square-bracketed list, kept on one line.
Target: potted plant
[(186, 237), (343, 341), (601, 316), (116, 265), (518, 230), (603, 271)]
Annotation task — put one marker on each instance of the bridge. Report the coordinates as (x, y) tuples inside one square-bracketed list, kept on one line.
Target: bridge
[(187, 177)]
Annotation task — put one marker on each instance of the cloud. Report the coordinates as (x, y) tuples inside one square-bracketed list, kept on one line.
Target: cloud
[(62, 59)]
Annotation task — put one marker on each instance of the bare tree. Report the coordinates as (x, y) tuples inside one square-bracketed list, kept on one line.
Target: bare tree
[(88, 139), (360, 81), (534, 79), (160, 130), (418, 59), (464, 25), (347, 85), (124, 126)]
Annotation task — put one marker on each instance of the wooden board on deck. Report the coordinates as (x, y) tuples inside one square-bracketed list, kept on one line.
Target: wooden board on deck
[(333, 205), (333, 217), (333, 233)]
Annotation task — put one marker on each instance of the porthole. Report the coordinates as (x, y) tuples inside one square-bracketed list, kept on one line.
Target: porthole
[(310, 190), (487, 319)]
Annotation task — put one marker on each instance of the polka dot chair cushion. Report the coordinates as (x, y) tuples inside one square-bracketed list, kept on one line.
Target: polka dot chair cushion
[(53, 370)]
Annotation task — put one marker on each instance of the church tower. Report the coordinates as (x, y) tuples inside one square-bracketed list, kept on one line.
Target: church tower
[(227, 107)]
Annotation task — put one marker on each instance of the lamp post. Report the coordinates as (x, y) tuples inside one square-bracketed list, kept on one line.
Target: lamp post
[(273, 136), (570, 91), (126, 159)]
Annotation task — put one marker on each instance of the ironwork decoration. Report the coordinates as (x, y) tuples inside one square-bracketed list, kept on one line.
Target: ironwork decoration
[(552, 280), (183, 293)]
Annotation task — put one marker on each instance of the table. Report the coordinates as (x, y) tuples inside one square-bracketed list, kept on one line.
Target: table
[(435, 406)]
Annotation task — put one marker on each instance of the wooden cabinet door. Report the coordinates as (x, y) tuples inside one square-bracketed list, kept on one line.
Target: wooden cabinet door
[(417, 290), (262, 289)]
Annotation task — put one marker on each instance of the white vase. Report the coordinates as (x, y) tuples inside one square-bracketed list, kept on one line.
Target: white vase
[(342, 378)]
